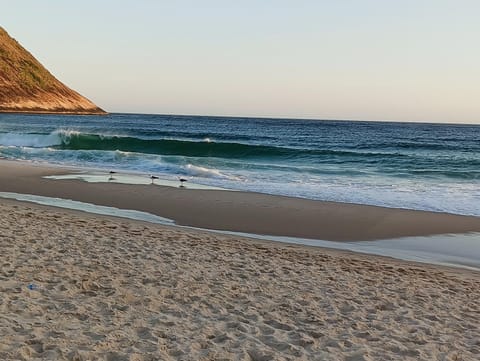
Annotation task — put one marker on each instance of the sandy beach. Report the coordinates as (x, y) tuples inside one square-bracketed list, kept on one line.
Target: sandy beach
[(112, 289), (78, 286)]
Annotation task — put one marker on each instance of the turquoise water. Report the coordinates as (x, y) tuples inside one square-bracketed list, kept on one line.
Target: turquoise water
[(406, 165)]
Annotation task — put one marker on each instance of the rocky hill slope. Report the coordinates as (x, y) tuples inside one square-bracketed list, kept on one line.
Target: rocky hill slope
[(27, 87)]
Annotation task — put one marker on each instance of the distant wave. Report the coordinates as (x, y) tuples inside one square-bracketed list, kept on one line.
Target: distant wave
[(189, 148), (74, 140), (90, 147), (422, 145)]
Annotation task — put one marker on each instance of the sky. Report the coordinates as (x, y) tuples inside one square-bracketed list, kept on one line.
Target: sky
[(338, 59)]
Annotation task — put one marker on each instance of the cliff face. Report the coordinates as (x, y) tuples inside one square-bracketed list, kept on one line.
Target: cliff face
[(26, 86)]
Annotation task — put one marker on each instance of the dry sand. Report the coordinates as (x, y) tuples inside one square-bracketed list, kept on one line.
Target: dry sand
[(112, 289), (240, 211)]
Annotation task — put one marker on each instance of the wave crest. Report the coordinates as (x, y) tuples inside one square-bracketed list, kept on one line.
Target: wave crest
[(75, 140), (30, 140)]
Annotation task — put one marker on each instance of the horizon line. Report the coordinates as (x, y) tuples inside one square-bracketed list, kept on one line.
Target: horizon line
[(301, 118)]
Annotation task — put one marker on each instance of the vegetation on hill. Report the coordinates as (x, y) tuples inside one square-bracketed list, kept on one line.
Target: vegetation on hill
[(26, 86)]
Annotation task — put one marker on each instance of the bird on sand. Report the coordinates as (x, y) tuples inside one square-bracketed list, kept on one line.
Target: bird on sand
[(153, 177)]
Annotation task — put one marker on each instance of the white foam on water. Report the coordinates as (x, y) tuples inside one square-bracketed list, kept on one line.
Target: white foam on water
[(454, 197), (206, 172), (29, 140), (32, 140)]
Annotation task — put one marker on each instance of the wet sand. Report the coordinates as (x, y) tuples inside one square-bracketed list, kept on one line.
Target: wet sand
[(240, 211)]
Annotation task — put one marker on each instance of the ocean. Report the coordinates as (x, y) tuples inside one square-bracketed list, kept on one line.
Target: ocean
[(433, 167)]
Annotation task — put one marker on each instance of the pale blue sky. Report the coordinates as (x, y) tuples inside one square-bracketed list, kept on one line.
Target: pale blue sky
[(339, 59)]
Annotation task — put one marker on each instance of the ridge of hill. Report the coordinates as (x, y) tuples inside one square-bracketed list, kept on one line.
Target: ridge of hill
[(27, 87)]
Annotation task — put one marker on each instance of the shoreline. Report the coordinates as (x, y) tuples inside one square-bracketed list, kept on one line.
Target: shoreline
[(242, 238), (454, 250), (237, 211)]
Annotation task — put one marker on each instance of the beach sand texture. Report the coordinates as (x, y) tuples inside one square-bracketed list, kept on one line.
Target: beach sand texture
[(112, 289)]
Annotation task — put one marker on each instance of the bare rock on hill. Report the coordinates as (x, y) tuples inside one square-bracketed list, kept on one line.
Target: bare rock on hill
[(27, 87)]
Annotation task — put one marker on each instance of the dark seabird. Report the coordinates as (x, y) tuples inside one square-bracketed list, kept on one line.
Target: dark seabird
[(153, 177), (111, 174), (182, 180)]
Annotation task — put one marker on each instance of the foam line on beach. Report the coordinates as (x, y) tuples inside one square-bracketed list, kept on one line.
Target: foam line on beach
[(128, 178), (88, 207), (458, 250)]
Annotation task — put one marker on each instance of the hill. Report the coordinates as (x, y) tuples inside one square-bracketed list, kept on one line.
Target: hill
[(27, 87)]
